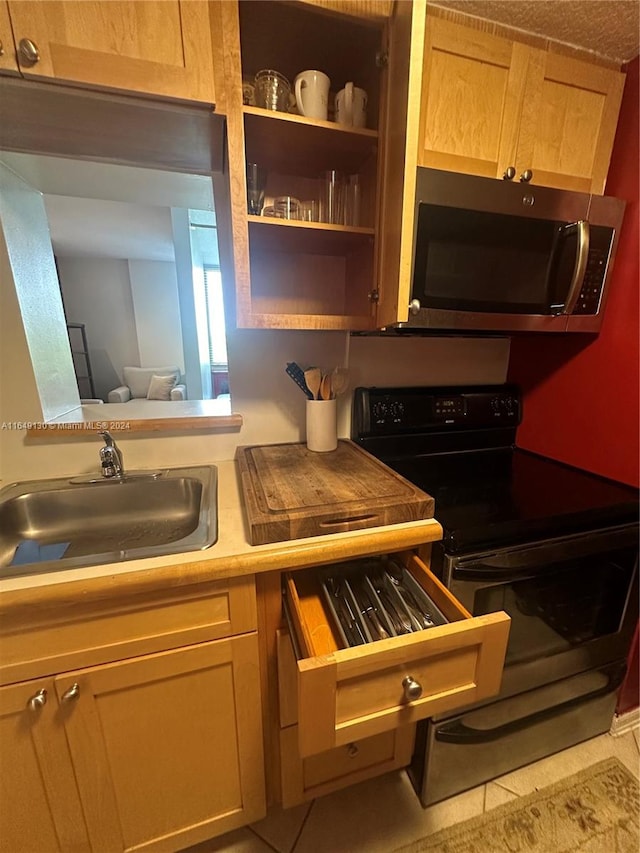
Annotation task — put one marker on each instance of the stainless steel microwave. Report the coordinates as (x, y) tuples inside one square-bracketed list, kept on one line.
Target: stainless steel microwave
[(492, 255)]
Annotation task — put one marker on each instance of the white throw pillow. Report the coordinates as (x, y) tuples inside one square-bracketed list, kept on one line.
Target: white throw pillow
[(160, 387)]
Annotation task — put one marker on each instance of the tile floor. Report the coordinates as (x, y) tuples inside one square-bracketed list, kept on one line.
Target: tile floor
[(382, 814)]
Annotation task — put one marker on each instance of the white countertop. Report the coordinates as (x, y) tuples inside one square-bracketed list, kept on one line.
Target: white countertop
[(231, 555)]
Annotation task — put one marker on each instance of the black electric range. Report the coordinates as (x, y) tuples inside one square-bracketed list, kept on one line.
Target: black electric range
[(458, 444), (553, 546)]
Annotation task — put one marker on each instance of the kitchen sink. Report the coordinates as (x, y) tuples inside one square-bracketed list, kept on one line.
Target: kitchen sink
[(49, 525)]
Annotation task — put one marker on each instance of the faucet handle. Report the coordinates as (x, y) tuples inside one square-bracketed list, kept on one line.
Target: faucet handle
[(111, 457)]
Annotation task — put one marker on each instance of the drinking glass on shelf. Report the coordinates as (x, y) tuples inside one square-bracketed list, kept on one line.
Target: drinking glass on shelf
[(272, 90), (332, 197), (352, 201), (256, 183), (309, 210), (286, 207)]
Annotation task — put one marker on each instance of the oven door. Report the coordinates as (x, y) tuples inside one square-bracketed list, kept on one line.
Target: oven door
[(572, 600)]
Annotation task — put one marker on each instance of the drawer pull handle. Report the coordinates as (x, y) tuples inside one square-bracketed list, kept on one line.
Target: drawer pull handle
[(72, 693), (28, 53), (412, 688), (352, 750), (38, 700)]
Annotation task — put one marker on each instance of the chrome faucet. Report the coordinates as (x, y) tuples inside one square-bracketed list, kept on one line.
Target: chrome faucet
[(111, 458)]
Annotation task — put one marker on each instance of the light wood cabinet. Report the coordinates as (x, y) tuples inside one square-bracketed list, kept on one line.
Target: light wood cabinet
[(8, 58), (348, 694), (303, 779), (167, 749), (316, 275), (39, 803), (490, 103), (155, 48), (145, 729)]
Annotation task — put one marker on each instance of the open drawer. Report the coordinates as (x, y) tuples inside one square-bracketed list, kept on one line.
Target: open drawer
[(346, 694)]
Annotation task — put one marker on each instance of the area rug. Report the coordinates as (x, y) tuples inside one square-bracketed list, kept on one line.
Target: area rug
[(594, 811)]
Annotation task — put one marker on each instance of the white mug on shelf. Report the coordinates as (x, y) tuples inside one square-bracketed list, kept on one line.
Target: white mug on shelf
[(351, 106), (312, 94)]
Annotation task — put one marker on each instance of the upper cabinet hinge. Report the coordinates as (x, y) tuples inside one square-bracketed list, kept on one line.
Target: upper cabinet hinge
[(374, 296), (382, 59)]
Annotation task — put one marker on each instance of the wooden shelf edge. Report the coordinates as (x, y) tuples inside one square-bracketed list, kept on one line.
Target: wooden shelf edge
[(310, 226), (311, 322), (125, 427), (273, 115)]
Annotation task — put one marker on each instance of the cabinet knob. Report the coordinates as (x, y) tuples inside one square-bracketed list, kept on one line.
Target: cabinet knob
[(526, 176), (72, 693), (1, 49), (28, 52), (509, 174), (38, 700), (414, 306), (352, 750), (412, 688)]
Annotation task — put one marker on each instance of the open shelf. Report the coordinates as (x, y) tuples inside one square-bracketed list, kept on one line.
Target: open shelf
[(296, 145), (315, 238)]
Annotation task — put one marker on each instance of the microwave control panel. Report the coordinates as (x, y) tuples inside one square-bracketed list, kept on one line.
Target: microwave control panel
[(595, 274)]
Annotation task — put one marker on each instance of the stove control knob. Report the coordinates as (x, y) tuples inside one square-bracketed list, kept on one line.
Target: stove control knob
[(397, 412), (380, 412)]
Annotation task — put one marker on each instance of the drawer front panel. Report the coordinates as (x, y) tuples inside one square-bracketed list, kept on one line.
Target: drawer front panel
[(307, 778), (381, 691), (90, 633), (350, 694)]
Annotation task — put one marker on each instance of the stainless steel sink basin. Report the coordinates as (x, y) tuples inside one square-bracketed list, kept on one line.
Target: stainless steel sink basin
[(49, 525)]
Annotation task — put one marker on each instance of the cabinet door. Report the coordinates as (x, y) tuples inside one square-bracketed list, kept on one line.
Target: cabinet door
[(160, 48), (8, 61), (39, 804), (167, 748), (569, 117), (472, 90), (401, 97)]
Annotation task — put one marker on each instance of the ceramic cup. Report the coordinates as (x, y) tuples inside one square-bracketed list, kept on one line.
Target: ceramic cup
[(351, 106), (312, 94), (322, 426)]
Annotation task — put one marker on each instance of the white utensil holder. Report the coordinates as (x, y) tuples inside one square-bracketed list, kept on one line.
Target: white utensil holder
[(322, 425)]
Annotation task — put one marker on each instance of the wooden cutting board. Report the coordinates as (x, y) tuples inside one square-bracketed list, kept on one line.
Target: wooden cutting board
[(291, 492)]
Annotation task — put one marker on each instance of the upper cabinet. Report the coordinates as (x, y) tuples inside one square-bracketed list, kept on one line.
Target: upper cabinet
[(491, 104), (8, 59), (322, 271), (160, 48)]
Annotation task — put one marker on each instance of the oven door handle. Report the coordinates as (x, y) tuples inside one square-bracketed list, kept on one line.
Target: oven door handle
[(458, 732), (521, 562)]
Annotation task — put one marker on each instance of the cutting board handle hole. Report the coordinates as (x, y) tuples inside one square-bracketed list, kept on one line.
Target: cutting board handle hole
[(334, 522)]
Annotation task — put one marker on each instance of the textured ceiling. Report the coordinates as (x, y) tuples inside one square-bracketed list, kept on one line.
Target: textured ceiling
[(610, 28)]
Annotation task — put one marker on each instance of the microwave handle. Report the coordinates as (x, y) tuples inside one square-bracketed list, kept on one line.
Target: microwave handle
[(581, 228)]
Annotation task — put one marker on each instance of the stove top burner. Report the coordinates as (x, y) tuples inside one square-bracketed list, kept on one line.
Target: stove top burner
[(492, 497), (459, 445)]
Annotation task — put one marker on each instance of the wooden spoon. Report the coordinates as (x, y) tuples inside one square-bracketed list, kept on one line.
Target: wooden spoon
[(339, 380), (325, 387), (313, 378)]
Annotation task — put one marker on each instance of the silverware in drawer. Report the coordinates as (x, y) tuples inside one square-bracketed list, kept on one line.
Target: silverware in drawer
[(371, 600)]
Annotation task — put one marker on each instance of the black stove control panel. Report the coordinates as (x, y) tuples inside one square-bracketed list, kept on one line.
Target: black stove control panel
[(390, 411)]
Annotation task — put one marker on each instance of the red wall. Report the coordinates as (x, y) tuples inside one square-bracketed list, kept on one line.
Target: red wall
[(581, 394)]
